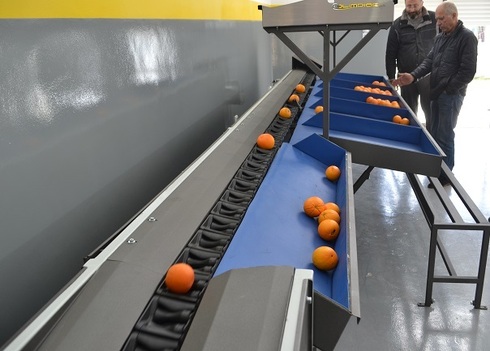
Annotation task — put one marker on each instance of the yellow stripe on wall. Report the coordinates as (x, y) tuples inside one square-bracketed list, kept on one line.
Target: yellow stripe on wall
[(238, 10)]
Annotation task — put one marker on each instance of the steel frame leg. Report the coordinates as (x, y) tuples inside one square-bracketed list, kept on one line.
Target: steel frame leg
[(362, 178), (430, 268), (481, 270)]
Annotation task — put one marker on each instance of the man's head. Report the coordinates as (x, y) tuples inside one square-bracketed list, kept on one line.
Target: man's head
[(413, 8), (447, 17)]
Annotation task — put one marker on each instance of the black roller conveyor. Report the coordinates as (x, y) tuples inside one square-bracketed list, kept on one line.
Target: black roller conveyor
[(166, 319)]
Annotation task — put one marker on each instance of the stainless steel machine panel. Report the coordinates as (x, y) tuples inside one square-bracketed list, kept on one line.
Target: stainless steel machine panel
[(257, 308), (328, 12)]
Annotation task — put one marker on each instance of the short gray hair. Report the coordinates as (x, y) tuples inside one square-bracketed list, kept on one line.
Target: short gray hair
[(449, 8)]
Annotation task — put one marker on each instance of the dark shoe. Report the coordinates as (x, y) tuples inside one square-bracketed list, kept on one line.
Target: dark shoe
[(443, 180)]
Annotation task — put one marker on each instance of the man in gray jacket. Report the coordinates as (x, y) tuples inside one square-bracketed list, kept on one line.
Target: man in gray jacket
[(409, 41), (452, 65)]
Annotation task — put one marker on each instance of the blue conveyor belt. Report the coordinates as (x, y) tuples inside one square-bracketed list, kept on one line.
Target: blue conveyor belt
[(276, 231)]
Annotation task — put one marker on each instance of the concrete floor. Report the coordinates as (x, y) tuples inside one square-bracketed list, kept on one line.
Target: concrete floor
[(393, 244)]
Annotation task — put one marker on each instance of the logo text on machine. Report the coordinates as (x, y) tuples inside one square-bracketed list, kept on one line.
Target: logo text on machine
[(359, 5)]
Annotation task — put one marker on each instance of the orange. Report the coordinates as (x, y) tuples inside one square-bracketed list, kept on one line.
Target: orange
[(313, 206), (180, 278), (405, 121), (293, 97), (397, 119), (384, 102), (285, 112), (370, 100), (319, 109), (329, 214), (328, 229), (331, 206), (325, 258), (332, 173), (395, 104), (300, 88), (265, 141)]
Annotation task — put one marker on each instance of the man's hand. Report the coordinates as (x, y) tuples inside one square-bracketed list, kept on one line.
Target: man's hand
[(403, 79)]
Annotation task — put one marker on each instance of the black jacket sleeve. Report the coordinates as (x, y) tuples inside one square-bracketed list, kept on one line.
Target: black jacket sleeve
[(424, 68), (391, 52)]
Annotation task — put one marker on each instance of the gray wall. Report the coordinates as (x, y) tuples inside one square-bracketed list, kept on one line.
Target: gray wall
[(96, 118)]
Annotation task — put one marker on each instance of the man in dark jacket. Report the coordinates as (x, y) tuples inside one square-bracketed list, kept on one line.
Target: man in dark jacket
[(409, 41), (452, 64)]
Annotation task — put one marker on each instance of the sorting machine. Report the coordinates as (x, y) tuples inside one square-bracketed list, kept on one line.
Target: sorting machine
[(235, 215)]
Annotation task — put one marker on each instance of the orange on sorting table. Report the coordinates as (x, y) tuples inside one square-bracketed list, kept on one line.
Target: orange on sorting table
[(265, 141), (397, 119), (285, 112), (329, 214), (405, 121), (332, 173), (300, 88), (331, 206), (328, 229), (180, 278), (313, 206), (385, 92), (319, 109), (325, 258)]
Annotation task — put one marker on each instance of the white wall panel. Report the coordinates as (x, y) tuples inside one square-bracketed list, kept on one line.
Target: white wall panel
[(472, 13)]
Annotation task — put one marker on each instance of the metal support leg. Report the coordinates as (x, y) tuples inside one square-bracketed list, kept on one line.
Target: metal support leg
[(300, 53), (481, 270), (430, 268), (326, 74), (326, 84), (364, 176)]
